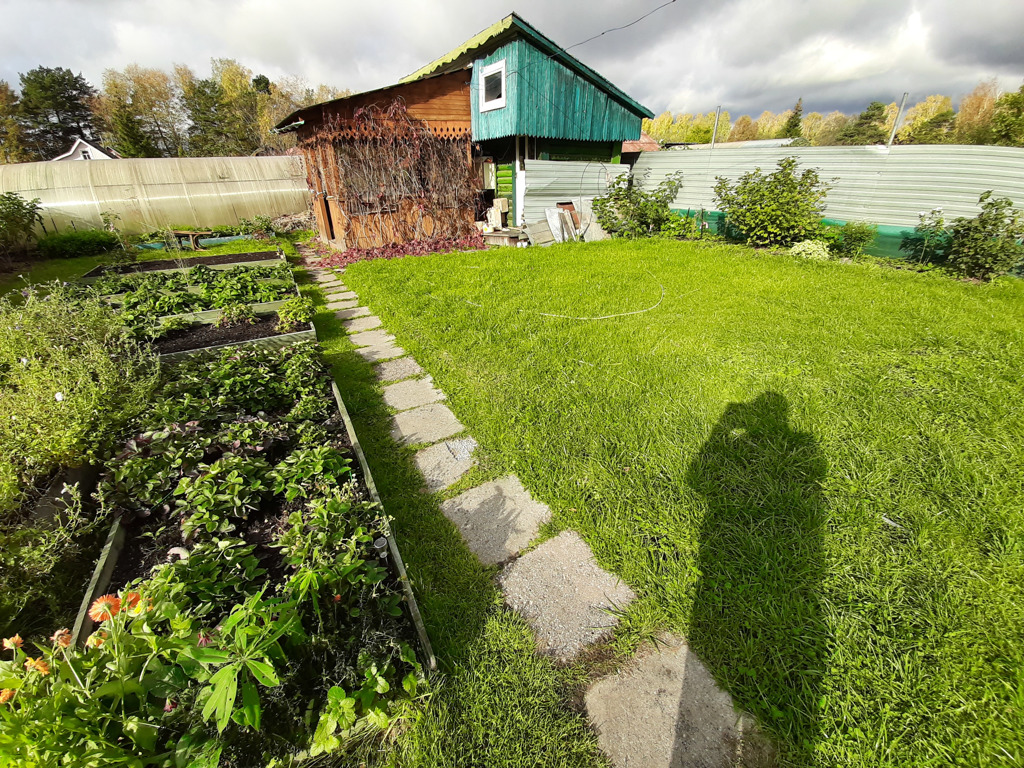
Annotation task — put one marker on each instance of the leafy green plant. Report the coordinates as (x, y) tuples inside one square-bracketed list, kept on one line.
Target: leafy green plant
[(295, 313), (627, 209), (260, 227), (686, 227), (852, 238), (310, 471), (988, 245), (235, 315), (811, 249), (18, 220), (71, 245), (931, 240), (169, 325), (230, 487), (775, 209)]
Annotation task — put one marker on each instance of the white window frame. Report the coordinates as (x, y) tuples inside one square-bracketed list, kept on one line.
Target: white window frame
[(490, 69)]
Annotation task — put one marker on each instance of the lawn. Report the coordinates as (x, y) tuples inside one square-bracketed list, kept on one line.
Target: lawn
[(811, 470)]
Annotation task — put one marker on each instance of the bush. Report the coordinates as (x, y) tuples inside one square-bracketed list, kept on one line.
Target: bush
[(18, 219), (70, 245), (628, 210), (989, 244), (685, 227), (70, 374), (777, 209), (930, 241), (811, 249), (847, 240)]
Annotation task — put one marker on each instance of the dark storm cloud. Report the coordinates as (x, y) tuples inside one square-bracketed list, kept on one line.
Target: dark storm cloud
[(748, 55)]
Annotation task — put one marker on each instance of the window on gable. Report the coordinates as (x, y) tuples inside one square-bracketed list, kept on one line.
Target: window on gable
[(492, 86)]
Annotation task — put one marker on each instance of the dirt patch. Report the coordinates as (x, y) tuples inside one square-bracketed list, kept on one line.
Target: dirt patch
[(199, 336)]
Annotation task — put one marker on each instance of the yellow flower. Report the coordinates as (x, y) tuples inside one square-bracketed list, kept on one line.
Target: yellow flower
[(6, 695), (13, 643), (61, 637), (39, 665), (106, 607), (96, 639)]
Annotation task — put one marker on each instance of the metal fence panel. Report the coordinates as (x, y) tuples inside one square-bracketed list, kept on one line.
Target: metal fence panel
[(549, 182), (159, 192), (888, 186)]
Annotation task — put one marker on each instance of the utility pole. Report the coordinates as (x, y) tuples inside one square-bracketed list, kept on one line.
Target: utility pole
[(896, 124), (714, 133)]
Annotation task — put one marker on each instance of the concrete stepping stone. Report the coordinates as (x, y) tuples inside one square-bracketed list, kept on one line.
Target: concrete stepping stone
[(371, 338), (426, 424), (497, 519), (332, 286), (380, 352), (564, 595), (665, 711), (343, 295), (367, 323), (343, 304), (442, 465), (400, 368), (412, 393), (349, 314)]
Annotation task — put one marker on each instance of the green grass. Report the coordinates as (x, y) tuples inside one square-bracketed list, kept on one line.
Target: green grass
[(813, 471)]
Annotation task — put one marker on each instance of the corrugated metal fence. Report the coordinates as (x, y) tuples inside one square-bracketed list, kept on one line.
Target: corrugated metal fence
[(549, 182), (887, 186), (153, 193)]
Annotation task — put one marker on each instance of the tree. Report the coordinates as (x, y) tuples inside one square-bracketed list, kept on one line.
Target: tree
[(212, 131), (130, 140), (826, 131), (1008, 120), (928, 122), (769, 124), (792, 127), (974, 116), (743, 130), (12, 148), (18, 220), (55, 110), (261, 84), (154, 99), (867, 128)]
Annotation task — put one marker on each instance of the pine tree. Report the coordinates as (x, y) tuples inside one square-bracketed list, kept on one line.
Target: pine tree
[(212, 131), (129, 138), (55, 110), (867, 128), (792, 128)]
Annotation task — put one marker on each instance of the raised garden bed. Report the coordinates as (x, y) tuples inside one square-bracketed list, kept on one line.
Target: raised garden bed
[(259, 593), (223, 261), (204, 338)]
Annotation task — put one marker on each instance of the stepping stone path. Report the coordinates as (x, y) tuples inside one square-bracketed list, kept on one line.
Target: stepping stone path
[(665, 710)]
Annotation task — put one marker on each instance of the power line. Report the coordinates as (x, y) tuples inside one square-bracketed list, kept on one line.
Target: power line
[(624, 26)]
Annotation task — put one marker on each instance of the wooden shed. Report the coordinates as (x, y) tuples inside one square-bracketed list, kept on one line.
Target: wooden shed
[(504, 96)]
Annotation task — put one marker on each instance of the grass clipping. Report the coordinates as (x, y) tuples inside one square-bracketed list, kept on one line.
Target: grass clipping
[(70, 374)]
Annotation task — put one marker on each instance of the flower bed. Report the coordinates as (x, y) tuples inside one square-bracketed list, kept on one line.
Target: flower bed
[(328, 257), (219, 261), (251, 615)]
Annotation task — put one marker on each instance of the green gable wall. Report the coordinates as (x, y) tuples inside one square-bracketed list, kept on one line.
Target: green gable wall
[(546, 99)]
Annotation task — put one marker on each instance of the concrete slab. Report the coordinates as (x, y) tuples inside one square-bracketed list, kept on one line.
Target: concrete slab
[(332, 286), (564, 595), (443, 464), (497, 519), (380, 352), (371, 338), (426, 424), (342, 294), (411, 393), (343, 304), (401, 368), (665, 711), (324, 275), (367, 323), (348, 314)]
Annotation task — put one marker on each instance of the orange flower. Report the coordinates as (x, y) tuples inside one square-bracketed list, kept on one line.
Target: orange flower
[(13, 643), (39, 665), (6, 695), (132, 602), (96, 639), (104, 608), (61, 637)]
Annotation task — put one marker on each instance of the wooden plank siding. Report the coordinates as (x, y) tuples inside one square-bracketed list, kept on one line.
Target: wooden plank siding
[(546, 99)]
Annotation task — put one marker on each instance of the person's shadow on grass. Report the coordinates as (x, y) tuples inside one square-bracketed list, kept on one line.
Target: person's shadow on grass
[(757, 621)]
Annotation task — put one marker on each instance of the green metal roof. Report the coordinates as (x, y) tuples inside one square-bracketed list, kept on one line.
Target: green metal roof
[(509, 28)]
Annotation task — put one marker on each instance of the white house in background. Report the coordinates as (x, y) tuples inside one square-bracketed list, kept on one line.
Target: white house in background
[(83, 150)]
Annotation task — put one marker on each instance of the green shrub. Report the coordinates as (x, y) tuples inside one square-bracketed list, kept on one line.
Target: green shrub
[(811, 249), (629, 210), (847, 240), (989, 244), (684, 227), (18, 219), (777, 209), (70, 245), (294, 314), (70, 374), (930, 241)]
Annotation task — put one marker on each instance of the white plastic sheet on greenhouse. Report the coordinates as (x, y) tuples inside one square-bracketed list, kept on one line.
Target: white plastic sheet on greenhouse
[(160, 192), (876, 184)]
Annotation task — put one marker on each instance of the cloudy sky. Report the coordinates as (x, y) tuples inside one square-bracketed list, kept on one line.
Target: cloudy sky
[(748, 55)]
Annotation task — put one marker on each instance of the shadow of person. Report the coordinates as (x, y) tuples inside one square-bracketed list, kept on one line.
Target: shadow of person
[(756, 620)]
